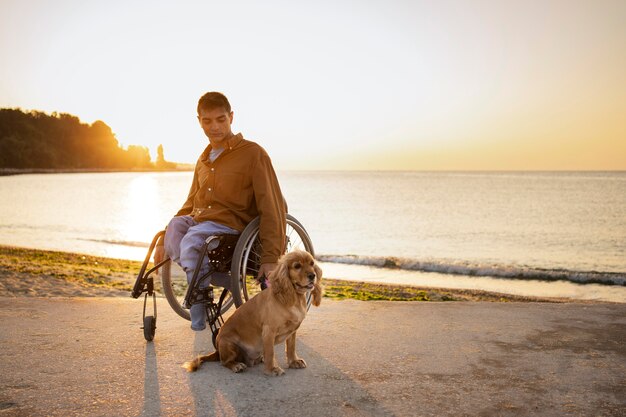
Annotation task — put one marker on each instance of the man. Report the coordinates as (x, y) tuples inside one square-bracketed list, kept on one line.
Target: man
[(233, 183)]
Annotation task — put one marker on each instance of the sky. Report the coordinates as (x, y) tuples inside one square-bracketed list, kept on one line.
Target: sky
[(337, 85)]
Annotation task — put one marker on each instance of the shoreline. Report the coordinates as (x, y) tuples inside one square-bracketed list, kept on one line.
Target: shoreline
[(189, 167), (43, 273), (23, 171)]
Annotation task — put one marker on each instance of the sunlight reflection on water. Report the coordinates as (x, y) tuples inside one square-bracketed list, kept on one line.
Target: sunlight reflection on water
[(139, 214)]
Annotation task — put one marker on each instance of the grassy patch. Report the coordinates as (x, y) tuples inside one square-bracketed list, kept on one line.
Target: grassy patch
[(368, 292), (92, 270)]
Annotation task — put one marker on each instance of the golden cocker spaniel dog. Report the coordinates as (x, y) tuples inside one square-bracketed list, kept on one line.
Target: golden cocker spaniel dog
[(271, 317)]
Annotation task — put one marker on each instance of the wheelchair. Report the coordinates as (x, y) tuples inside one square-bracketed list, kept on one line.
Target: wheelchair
[(234, 261)]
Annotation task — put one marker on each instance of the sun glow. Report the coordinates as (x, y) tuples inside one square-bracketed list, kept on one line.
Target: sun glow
[(384, 85)]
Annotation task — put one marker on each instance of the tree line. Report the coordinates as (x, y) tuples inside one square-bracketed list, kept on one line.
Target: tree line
[(35, 139)]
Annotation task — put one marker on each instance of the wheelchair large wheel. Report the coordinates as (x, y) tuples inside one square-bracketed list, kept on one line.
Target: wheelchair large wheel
[(174, 284), (247, 257)]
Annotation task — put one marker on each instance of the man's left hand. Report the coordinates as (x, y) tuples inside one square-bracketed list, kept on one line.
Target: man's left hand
[(266, 269)]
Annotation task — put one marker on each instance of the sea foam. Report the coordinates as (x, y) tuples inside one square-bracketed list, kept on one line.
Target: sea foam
[(455, 267)]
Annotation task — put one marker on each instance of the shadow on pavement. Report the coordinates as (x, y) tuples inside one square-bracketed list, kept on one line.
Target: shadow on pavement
[(320, 389), (151, 393)]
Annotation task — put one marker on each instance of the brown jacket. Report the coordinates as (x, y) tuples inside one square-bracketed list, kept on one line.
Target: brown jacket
[(237, 187)]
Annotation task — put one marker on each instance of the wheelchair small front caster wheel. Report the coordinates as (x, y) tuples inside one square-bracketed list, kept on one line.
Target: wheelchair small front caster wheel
[(149, 327)]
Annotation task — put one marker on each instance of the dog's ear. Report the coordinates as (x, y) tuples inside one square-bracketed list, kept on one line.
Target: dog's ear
[(281, 284), (318, 290)]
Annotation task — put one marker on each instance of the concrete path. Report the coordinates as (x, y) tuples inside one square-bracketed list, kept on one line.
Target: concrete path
[(87, 356)]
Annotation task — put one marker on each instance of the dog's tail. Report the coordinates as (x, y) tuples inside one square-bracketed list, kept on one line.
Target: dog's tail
[(192, 366)]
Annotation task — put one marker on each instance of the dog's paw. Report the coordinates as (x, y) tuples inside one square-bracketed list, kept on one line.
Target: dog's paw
[(297, 364), (276, 371), (238, 367)]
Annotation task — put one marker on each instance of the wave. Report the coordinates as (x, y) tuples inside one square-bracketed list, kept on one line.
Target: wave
[(120, 242), (480, 270)]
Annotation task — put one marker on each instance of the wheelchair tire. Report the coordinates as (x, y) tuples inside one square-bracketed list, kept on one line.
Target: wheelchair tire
[(174, 290), (149, 327), (247, 255)]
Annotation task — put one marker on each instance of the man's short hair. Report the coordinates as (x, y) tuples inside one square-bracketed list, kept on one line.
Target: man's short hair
[(213, 100)]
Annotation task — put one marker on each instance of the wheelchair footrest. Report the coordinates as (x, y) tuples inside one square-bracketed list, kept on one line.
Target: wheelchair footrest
[(200, 296)]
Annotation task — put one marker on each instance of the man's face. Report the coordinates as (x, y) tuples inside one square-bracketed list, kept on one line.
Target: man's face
[(216, 125)]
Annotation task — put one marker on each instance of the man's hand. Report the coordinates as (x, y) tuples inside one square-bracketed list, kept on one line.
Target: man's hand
[(266, 269)]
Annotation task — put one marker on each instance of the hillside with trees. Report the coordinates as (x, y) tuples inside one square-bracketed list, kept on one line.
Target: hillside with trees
[(36, 140)]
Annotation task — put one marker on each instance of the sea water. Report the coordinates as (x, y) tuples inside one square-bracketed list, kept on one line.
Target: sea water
[(531, 233)]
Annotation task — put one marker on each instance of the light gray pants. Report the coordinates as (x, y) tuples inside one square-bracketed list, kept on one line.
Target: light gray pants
[(183, 240)]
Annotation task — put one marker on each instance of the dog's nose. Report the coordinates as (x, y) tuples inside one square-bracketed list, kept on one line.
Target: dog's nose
[(311, 276)]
